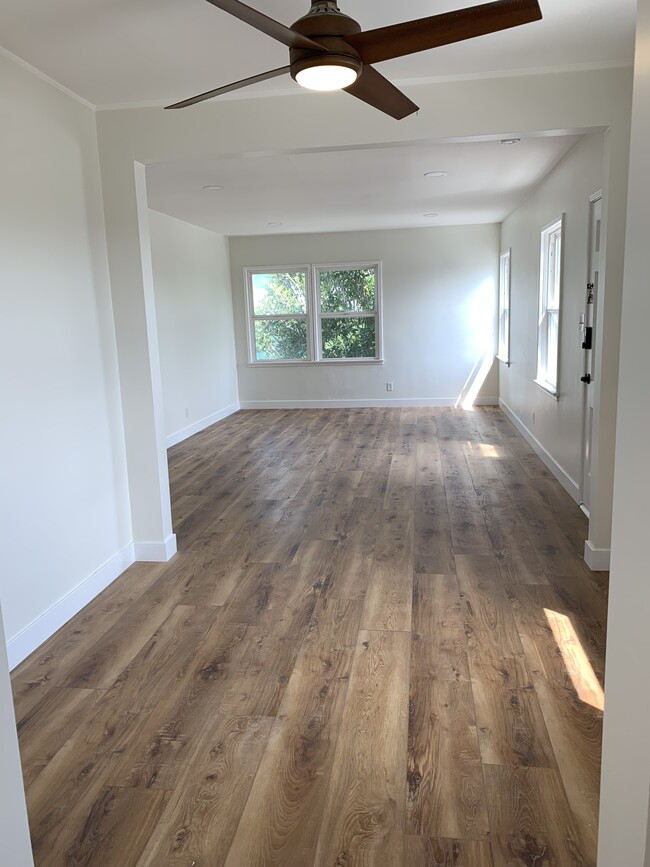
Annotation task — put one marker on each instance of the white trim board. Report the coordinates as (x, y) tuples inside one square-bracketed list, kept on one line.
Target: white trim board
[(45, 77), (363, 403), (570, 485), (597, 558), (46, 624), (197, 426), (155, 552)]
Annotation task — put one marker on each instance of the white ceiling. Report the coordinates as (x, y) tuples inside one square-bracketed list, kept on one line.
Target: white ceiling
[(119, 52), (354, 189), (135, 52)]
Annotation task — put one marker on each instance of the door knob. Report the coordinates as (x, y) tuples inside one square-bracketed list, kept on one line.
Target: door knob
[(586, 378)]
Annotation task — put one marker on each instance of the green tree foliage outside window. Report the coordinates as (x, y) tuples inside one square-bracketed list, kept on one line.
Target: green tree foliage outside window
[(350, 290), (348, 313), (280, 294)]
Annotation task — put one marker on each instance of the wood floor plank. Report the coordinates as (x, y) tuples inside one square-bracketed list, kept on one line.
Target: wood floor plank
[(61, 798), (156, 752), (511, 727), (446, 796), (468, 530), (48, 725), (433, 551), (512, 548), (530, 822), (116, 831), (438, 641), (202, 814), (495, 652), (74, 777), (51, 663), (569, 690), (352, 563), (284, 810), (429, 852), (112, 653), (400, 491), (389, 598), (365, 809)]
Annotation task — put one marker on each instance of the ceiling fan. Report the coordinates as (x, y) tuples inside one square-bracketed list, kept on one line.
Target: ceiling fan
[(329, 51)]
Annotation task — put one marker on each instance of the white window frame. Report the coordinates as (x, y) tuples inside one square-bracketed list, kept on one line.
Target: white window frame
[(252, 318), (313, 314), (549, 313), (503, 333), (374, 314)]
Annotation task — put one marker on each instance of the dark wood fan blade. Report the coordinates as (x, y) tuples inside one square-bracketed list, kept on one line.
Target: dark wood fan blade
[(263, 76), (373, 88), (424, 33), (267, 25)]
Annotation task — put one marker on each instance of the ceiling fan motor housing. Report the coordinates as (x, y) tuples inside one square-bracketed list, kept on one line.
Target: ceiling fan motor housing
[(324, 23)]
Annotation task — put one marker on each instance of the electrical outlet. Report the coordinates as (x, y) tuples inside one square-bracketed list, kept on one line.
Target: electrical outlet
[(389, 386)]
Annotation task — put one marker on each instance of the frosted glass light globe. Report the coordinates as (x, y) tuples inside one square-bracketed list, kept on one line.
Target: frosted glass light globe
[(326, 77)]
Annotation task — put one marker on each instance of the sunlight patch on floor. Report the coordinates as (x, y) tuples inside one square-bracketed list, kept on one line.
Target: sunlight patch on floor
[(575, 659)]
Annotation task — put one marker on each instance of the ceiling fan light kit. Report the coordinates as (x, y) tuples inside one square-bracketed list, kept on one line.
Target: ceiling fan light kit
[(329, 51), (335, 74)]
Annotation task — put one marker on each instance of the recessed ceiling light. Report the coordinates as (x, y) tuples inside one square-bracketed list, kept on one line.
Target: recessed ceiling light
[(510, 141), (435, 174), (212, 187), (275, 223), (430, 215)]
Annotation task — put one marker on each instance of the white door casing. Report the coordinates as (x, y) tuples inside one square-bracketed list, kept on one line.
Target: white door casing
[(588, 341)]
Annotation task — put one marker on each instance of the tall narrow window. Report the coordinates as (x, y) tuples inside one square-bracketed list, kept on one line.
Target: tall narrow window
[(348, 311), (503, 352), (550, 295)]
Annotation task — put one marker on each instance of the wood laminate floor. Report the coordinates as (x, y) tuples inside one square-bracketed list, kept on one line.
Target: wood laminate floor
[(377, 645)]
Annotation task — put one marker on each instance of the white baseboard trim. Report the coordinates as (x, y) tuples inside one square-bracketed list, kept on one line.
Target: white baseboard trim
[(46, 624), (155, 552), (570, 485), (597, 558), (363, 403), (201, 424)]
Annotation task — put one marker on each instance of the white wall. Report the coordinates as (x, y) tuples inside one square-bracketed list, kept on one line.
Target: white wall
[(16, 846), (65, 510), (558, 423), (195, 325), (438, 289), (626, 740)]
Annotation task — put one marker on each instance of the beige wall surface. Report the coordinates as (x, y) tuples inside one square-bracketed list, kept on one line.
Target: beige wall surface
[(557, 424), (439, 294), (626, 744), (65, 509), (195, 325)]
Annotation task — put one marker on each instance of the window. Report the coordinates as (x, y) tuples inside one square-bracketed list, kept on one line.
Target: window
[(278, 304), (347, 311), (503, 352), (550, 293), (318, 313)]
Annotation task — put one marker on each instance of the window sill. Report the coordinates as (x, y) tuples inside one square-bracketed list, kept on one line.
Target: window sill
[(503, 360), (322, 361), (552, 392)]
